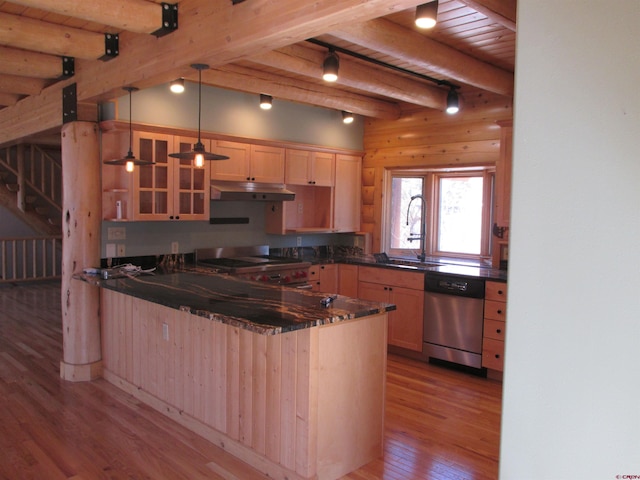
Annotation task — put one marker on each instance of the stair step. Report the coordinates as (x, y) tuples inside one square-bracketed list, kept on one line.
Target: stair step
[(30, 199), (42, 210)]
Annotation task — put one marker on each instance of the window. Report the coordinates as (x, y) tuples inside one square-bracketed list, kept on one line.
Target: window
[(456, 207)]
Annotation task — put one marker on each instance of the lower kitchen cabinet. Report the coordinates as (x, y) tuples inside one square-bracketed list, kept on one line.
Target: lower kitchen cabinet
[(348, 280), (406, 291), (324, 278), (495, 316)]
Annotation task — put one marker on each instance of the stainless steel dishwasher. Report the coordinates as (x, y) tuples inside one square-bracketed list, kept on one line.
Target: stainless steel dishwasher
[(453, 318)]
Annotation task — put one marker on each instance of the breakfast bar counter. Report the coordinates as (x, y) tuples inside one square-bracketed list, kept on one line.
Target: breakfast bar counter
[(267, 373)]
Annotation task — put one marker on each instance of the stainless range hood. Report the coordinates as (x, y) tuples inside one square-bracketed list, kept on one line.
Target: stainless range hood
[(250, 192)]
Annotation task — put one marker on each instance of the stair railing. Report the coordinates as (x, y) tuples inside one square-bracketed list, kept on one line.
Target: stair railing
[(30, 258)]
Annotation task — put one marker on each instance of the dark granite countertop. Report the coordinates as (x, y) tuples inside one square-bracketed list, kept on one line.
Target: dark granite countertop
[(264, 309)]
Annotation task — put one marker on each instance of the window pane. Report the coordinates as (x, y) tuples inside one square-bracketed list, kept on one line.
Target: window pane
[(402, 189), (460, 215)]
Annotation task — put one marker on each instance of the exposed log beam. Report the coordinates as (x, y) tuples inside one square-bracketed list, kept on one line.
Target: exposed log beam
[(29, 64), (137, 16), (29, 34), (248, 80), (21, 85), (7, 99), (308, 62), (392, 39), (503, 12)]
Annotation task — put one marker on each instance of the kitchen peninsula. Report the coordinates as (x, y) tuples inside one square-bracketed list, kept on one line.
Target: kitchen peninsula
[(265, 372)]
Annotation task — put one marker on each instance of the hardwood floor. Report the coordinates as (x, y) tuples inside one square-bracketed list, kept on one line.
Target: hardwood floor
[(440, 424)]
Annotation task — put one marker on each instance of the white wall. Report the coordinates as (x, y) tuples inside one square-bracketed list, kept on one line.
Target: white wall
[(572, 374)]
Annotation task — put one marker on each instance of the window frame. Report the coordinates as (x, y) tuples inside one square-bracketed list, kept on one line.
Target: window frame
[(431, 178)]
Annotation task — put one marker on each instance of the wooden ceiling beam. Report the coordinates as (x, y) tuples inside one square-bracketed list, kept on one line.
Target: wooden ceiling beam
[(392, 39), (29, 64), (8, 99), (21, 85), (503, 12), (137, 16), (245, 79), (308, 62), (30, 34)]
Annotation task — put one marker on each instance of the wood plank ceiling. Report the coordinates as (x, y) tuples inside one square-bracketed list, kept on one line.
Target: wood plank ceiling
[(472, 46)]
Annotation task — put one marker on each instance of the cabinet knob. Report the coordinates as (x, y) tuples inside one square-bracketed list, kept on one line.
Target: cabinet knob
[(500, 311), (497, 355), (177, 217), (170, 217), (498, 330), (500, 292)]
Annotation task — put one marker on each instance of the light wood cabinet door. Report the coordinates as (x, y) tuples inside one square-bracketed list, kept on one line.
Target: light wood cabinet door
[(303, 167), (324, 278), (495, 323), (190, 183), (323, 169), (236, 168), (346, 217), (153, 184), (266, 164), (348, 280)]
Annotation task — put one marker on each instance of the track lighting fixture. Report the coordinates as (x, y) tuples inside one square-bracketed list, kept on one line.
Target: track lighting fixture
[(177, 86), (347, 117), (129, 161), (330, 67), (266, 101), (453, 104), (198, 155), (426, 14)]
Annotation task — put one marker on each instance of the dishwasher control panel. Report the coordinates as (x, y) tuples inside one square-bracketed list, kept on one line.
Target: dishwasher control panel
[(453, 285)]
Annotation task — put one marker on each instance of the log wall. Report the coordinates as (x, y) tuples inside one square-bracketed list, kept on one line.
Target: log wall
[(428, 138)]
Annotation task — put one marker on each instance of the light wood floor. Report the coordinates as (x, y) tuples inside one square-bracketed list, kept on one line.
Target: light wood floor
[(440, 424)]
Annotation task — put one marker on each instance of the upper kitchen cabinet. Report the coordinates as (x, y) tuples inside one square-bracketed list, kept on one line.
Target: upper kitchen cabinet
[(304, 167), (348, 183), (248, 163), (502, 204), (171, 189)]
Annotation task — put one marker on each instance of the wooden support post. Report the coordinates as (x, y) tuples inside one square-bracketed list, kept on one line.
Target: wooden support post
[(81, 205), (21, 182)]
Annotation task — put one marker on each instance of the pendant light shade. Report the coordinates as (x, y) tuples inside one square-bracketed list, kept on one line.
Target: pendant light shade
[(266, 101), (453, 104), (330, 67), (426, 14), (198, 155), (129, 161)]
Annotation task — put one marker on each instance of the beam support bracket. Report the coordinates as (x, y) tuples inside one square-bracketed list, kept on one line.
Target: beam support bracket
[(111, 46), (68, 67), (69, 104), (169, 19)]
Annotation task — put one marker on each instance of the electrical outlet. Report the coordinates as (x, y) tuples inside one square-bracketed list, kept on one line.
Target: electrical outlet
[(111, 250), (165, 331), (299, 241), (300, 208), (120, 250), (175, 247), (116, 233)]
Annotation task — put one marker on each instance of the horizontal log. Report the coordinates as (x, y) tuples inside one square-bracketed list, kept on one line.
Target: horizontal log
[(29, 64), (21, 85), (7, 99)]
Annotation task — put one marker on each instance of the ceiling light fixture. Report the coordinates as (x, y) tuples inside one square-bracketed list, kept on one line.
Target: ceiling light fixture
[(330, 67), (198, 155), (453, 104), (177, 86), (347, 117), (266, 101), (426, 14), (129, 161)]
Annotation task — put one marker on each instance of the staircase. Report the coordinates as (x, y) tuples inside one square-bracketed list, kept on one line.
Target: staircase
[(31, 178), (31, 188)]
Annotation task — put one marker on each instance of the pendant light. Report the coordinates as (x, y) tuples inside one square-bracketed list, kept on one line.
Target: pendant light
[(266, 101), (453, 104), (129, 161), (198, 155), (330, 67)]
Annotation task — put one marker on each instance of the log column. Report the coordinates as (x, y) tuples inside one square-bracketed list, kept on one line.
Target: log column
[(81, 207)]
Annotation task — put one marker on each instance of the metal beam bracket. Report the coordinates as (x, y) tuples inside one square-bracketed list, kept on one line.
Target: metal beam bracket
[(69, 104), (169, 19), (111, 46), (68, 67)]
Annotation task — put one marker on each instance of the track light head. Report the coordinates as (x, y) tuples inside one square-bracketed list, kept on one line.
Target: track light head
[(266, 101), (330, 67), (177, 86), (453, 103), (347, 117), (426, 14)]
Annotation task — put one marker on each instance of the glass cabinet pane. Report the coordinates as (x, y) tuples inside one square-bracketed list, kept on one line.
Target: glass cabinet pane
[(146, 202)]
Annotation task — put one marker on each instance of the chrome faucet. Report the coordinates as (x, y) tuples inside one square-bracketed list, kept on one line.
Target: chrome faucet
[(423, 229)]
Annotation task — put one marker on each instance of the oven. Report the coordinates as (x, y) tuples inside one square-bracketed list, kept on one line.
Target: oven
[(255, 264)]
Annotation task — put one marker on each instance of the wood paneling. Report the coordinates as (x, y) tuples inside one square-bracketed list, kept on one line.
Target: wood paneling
[(439, 424)]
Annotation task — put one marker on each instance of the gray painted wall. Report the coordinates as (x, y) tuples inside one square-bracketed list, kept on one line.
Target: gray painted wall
[(237, 114)]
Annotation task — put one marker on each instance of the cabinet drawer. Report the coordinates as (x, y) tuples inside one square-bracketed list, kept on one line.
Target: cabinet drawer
[(493, 354), (495, 310), (494, 329), (495, 291), (388, 276)]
